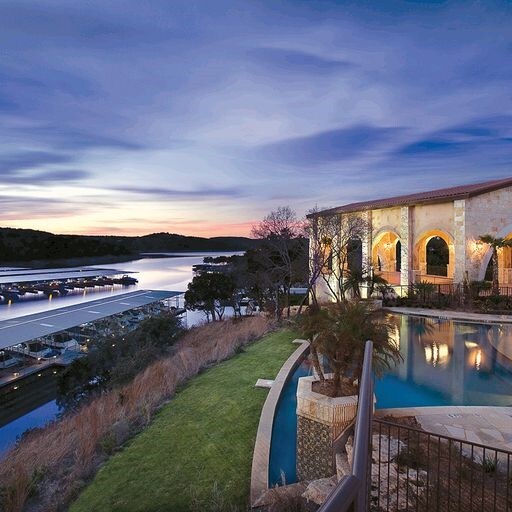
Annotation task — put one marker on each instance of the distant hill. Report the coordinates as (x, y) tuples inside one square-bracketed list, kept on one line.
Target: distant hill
[(26, 245)]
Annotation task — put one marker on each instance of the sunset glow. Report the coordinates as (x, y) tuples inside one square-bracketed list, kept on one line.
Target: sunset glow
[(200, 117)]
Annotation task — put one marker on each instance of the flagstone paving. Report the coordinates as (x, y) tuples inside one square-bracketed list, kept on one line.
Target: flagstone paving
[(490, 426)]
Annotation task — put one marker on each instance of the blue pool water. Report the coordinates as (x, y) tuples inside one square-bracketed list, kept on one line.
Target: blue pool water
[(284, 432), (447, 363), (444, 363)]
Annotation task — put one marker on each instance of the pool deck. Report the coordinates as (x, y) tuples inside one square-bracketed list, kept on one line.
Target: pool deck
[(487, 425)]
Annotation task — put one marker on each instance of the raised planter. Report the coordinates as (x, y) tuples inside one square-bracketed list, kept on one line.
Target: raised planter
[(337, 413), (320, 421)]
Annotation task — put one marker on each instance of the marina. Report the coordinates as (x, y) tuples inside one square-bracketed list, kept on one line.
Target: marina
[(41, 340), (31, 284), (65, 328)]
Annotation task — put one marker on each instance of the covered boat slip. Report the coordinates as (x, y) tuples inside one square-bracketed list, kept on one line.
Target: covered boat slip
[(55, 274), (37, 325)]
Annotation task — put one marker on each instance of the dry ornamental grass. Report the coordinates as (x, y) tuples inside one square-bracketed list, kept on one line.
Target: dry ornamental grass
[(53, 464)]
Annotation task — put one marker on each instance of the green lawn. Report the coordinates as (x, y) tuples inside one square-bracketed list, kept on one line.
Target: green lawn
[(201, 441)]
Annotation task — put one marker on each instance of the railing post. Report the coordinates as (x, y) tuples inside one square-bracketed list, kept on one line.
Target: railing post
[(362, 435), (352, 492)]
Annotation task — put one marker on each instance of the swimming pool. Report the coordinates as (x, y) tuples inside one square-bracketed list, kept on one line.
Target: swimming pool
[(445, 363), (282, 465)]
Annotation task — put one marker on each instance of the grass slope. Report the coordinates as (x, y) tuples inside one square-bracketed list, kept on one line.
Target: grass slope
[(203, 439)]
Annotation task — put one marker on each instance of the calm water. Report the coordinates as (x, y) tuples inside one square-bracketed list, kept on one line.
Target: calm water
[(283, 457), (153, 273), (33, 403), (445, 363), (448, 363)]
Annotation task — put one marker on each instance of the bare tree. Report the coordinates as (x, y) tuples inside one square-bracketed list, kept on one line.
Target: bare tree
[(332, 242), (284, 251)]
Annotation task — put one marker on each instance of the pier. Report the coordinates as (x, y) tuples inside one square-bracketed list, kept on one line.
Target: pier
[(75, 328)]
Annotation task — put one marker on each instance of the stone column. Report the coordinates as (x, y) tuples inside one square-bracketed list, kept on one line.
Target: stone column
[(406, 239), (459, 241), (366, 249)]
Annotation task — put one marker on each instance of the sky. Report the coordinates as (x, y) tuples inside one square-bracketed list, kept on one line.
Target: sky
[(200, 117)]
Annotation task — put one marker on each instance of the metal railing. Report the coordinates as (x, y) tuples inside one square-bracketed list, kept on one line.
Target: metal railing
[(352, 492), (414, 470), (447, 295)]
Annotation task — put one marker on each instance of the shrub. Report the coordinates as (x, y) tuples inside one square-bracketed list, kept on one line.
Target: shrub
[(69, 450)]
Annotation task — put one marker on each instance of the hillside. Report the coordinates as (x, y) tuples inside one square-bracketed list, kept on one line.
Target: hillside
[(25, 245)]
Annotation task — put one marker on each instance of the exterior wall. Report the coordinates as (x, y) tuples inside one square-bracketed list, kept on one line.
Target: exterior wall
[(489, 213), (429, 217), (459, 223), (386, 219), (314, 450)]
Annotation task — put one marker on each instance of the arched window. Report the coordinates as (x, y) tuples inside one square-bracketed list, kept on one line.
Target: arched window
[(355, 254), (398, 256), (438, 257)]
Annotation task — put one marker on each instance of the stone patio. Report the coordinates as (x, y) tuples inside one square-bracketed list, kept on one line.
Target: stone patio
[(490, 426)]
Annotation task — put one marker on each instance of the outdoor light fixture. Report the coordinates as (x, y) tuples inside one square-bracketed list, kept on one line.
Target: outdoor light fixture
[(16, 374)]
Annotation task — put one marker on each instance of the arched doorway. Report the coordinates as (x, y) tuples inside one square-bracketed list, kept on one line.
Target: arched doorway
[(386, 256), (504, 265), (438, 257), (434, 257)]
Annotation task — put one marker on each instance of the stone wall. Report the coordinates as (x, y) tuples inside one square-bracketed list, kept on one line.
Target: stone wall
[(314, 450), (489, 213)]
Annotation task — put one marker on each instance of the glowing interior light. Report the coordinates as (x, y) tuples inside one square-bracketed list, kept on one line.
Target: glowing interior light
[(478, 360)]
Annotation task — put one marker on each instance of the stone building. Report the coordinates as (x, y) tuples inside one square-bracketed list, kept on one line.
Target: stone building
[(434, 236)]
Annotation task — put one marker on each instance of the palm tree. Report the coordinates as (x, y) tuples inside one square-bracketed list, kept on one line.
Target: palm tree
[(342, 330), (495, 243), (309, 324)]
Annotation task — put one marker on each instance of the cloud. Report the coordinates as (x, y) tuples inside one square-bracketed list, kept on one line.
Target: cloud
[(186, 107), (481, 138), (167, 193), (69, 138), (295, 61), (29, 160), (329, 146)]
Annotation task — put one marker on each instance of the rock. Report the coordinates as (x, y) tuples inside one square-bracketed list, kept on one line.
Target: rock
[(343, 468), (318, 490), (389, 448), (349, 448)]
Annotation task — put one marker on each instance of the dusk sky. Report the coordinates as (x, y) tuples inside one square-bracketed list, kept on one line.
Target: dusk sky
[(199, 117)]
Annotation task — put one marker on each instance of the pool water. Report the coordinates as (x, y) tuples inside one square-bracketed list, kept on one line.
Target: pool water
[(284, 432), (447, 363), (444, 363)]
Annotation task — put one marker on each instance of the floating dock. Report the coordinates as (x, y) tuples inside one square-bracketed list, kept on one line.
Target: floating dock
[(32, 327)]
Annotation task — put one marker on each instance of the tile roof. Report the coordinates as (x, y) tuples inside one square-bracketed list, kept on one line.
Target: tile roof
[(431, 196)]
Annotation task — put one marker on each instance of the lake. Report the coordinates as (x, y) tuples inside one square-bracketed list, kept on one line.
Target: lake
[(36, 404)]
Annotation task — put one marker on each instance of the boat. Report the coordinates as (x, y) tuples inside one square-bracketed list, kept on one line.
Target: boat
[(126, 280), (10, 294), (61, 340), (7, 360), (35, 349)]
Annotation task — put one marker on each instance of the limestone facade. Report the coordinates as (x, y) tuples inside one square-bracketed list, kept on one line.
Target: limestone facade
[(458, 216)]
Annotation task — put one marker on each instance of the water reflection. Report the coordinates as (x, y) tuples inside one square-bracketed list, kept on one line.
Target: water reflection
[(448, 362), (171, 273), (32, 402)]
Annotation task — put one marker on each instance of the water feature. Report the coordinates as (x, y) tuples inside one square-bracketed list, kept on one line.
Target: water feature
[(33, 403), (284, 431), (445, 363)]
